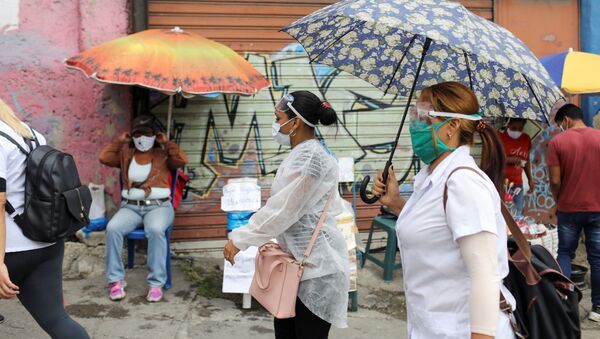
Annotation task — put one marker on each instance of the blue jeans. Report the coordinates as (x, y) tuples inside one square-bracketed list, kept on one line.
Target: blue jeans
[(569, 229), (519, 201), (155, 219)]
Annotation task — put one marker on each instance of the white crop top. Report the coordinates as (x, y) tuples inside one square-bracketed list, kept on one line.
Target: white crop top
[(138, 173)]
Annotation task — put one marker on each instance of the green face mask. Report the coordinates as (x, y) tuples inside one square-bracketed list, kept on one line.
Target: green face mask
[(422, 142)]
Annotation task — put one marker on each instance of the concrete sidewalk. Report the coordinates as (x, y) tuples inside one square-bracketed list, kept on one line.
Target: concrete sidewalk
[(195, 308), (182, 314)]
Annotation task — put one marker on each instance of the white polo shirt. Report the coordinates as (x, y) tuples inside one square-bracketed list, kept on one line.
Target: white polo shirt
[(12, 168), (436, 279)]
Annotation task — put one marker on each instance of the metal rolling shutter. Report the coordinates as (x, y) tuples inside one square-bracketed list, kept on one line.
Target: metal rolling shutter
[(227, 138)]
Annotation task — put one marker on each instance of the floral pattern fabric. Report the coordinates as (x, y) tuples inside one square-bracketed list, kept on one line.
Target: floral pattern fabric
[(382, 42)]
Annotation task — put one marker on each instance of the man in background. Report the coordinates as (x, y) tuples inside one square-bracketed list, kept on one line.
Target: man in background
[(574, 164)]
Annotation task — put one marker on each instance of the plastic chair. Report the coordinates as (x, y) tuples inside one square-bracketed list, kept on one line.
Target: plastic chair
[(388, 264), (139, 234)]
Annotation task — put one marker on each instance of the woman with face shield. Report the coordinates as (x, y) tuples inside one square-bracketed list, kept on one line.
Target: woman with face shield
[(451, 233), (302, 186), (146, 158)]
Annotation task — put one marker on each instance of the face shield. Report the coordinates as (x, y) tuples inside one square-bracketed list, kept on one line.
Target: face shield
[(285, 105), (423, 112)]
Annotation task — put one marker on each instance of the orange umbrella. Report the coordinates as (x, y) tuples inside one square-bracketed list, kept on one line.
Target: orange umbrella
[(171, 61)]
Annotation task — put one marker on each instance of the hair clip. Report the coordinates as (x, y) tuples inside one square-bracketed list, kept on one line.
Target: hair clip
[(326, 104), (480, 126)]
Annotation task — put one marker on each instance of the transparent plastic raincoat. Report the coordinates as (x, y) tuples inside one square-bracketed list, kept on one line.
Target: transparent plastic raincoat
[(298, 195)]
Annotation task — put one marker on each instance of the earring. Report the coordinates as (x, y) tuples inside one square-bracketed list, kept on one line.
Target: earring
[(292, 133), (449, 136)]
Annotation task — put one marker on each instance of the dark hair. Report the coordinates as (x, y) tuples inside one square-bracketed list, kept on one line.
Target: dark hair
[(568, 110), (312, 109), (520, 120), (455, 97)]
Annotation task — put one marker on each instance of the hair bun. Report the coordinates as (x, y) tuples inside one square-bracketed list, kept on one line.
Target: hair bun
[(327, 115)]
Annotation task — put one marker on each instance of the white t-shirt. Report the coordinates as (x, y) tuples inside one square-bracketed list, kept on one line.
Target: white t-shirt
[(12, 168), (139, 173), (436, 279)]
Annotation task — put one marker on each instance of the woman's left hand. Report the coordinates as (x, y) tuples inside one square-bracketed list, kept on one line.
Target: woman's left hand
[(161, 138), (230, 251)]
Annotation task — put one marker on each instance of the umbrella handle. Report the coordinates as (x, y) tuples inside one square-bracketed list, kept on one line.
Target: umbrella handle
[(364, 194)]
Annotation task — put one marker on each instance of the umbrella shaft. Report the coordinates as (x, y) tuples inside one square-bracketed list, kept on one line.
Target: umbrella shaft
[(410, 96)]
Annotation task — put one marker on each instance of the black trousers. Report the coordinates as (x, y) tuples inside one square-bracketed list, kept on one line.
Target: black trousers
[(38, 273), (305, 325)]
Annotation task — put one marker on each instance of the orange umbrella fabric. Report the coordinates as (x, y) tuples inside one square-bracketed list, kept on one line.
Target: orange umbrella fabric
[(171, 61)]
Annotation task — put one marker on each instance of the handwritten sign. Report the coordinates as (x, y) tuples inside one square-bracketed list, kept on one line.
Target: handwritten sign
[(241, 195)]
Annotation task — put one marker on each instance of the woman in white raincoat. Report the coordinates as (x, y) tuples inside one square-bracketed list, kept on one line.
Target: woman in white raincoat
[(298, 195), (454, 259)]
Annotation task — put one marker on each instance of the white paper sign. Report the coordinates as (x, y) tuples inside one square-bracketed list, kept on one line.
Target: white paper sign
[(241, 195), (346, 167), (237, 278)]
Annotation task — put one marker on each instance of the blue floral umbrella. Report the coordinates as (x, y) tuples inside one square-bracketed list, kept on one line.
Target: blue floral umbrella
[(402, 46)]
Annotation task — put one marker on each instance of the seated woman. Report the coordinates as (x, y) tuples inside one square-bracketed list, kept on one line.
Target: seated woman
[(146, 158)]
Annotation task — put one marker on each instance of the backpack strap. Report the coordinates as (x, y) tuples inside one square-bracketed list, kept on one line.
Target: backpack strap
[(13, 141), (508, 218), (35, 138), (18, 218)]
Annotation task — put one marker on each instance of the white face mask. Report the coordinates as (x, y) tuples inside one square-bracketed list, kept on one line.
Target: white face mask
[(564, 125), (514, 134), (144, 143), (280, 138)]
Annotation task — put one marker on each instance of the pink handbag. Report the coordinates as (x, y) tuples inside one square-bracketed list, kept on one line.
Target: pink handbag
[(277, 275)]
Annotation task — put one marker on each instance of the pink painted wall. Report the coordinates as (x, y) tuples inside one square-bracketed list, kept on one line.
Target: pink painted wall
[(76, 114)]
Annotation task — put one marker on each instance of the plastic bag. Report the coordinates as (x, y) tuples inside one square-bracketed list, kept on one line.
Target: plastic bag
[(98, 208)]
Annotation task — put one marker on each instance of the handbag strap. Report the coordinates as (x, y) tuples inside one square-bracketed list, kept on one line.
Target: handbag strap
[(318, 228), (508, 218)]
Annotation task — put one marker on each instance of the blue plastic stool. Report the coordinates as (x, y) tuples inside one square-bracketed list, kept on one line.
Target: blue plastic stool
[(139, 234), (388, 263)]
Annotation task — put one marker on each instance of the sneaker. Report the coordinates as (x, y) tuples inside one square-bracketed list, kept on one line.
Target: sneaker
[(155, 294), (117, 290), (595, 314)]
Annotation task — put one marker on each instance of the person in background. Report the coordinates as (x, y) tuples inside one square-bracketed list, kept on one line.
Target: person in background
[(29, 270), (454, 256), (304, 181), (573, 160), (517, 146), (146, 158)]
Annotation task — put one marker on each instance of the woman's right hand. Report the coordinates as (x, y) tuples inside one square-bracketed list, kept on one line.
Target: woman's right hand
[(389, 194), (7, 288), (124, 138)]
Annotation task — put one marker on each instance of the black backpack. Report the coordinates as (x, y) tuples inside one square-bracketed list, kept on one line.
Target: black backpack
[(547, 301), (56, 204)]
